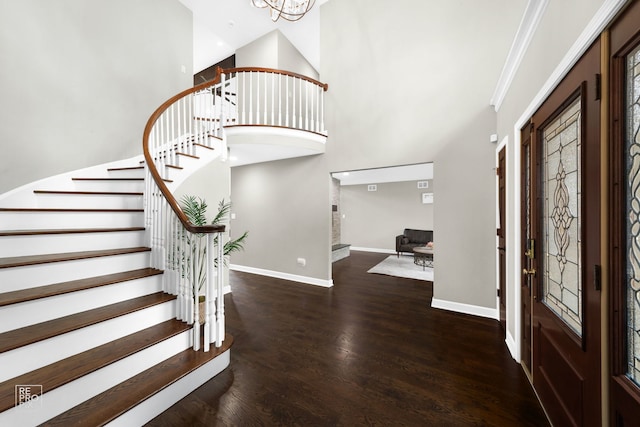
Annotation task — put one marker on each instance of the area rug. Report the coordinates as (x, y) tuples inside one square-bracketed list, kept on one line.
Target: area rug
[(402, 267)]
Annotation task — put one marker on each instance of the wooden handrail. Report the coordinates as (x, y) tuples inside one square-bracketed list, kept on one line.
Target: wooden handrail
[(324, 86), (154, 171), (158, 112)]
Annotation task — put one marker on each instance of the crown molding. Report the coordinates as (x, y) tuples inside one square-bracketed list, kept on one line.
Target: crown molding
[(592, 31), (528, 26)]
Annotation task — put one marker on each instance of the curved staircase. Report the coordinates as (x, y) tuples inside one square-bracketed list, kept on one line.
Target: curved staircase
[(100, 269), (83, 317)]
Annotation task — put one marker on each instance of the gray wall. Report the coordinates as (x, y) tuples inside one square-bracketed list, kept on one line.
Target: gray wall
[(286, 206), (408, 88), (465, 216), (372, 219), (80, 79)]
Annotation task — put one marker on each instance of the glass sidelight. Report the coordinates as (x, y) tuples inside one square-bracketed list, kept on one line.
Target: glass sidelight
[(632, 148)]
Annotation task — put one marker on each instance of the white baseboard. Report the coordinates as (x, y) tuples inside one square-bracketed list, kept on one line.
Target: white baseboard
[(513, 347), (284, 276), (458, 307), (378, 250)]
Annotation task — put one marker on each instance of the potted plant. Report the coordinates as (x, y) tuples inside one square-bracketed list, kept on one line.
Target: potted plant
[(195, 208)]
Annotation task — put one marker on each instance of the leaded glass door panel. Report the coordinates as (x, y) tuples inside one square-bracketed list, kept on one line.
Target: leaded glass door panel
[(625, 215), (564, 261)]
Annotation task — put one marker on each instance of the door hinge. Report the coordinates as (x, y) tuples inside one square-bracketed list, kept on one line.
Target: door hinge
[(531, 127), (598, 87), (597, 277), (498, 171), (498, 292)]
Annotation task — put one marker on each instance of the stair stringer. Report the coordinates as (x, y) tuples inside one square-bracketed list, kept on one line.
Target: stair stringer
[(191, 165), (24, 196)]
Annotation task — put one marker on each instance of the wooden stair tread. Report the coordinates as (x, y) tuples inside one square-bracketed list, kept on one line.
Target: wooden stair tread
[(22, 261), (89, 193), (114, 402), (64, 371), (30, 334), (31, 294), (107, 179), (205, 146), (126, 169), (35, 232), (187, 155)]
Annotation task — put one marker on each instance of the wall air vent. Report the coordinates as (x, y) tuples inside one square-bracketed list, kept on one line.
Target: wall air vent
[(372, 187)]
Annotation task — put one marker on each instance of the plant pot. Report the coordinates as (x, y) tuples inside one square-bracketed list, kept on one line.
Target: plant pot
[(201, 312)]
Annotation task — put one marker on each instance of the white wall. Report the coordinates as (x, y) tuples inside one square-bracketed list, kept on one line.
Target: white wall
[(80, 78)]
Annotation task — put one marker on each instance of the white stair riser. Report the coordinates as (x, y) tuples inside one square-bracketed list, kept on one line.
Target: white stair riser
[(28, 358), (126, 173), (12, 246), (163, 400), (109, 185), (88, 201), (56, 220), (187, 163), (44, 309), (172, 174), (69, 395), (16, 278)]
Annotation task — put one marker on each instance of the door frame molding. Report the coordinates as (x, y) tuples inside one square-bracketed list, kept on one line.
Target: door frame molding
[(502, 144), (603, 17)]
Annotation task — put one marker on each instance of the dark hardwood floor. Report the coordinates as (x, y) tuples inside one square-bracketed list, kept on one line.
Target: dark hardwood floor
[(368, 352)]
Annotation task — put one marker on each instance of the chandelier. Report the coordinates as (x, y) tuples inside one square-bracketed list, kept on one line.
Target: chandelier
[(291, 10)]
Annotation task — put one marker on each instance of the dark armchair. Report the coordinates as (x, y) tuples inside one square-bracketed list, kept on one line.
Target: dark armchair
[(412, 238)]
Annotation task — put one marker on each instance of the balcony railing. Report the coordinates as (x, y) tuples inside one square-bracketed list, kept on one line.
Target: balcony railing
[(192, 256)]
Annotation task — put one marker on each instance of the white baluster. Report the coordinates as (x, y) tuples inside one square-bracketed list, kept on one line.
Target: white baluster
[(220, 321), (273, 99), (251, 98), (279, 99), (286, 100), (257, 98), (306, 103), (322, 110), (208, 294), (300, 104), (293, 101), (244, 99), (266, 95), (222, 116)]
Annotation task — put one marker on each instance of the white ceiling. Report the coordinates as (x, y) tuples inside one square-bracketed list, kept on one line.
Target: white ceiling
[(220, 27)]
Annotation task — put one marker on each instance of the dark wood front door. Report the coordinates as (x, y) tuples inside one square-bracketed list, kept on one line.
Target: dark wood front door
[(564, 260), (625, 218), (502, 241)]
